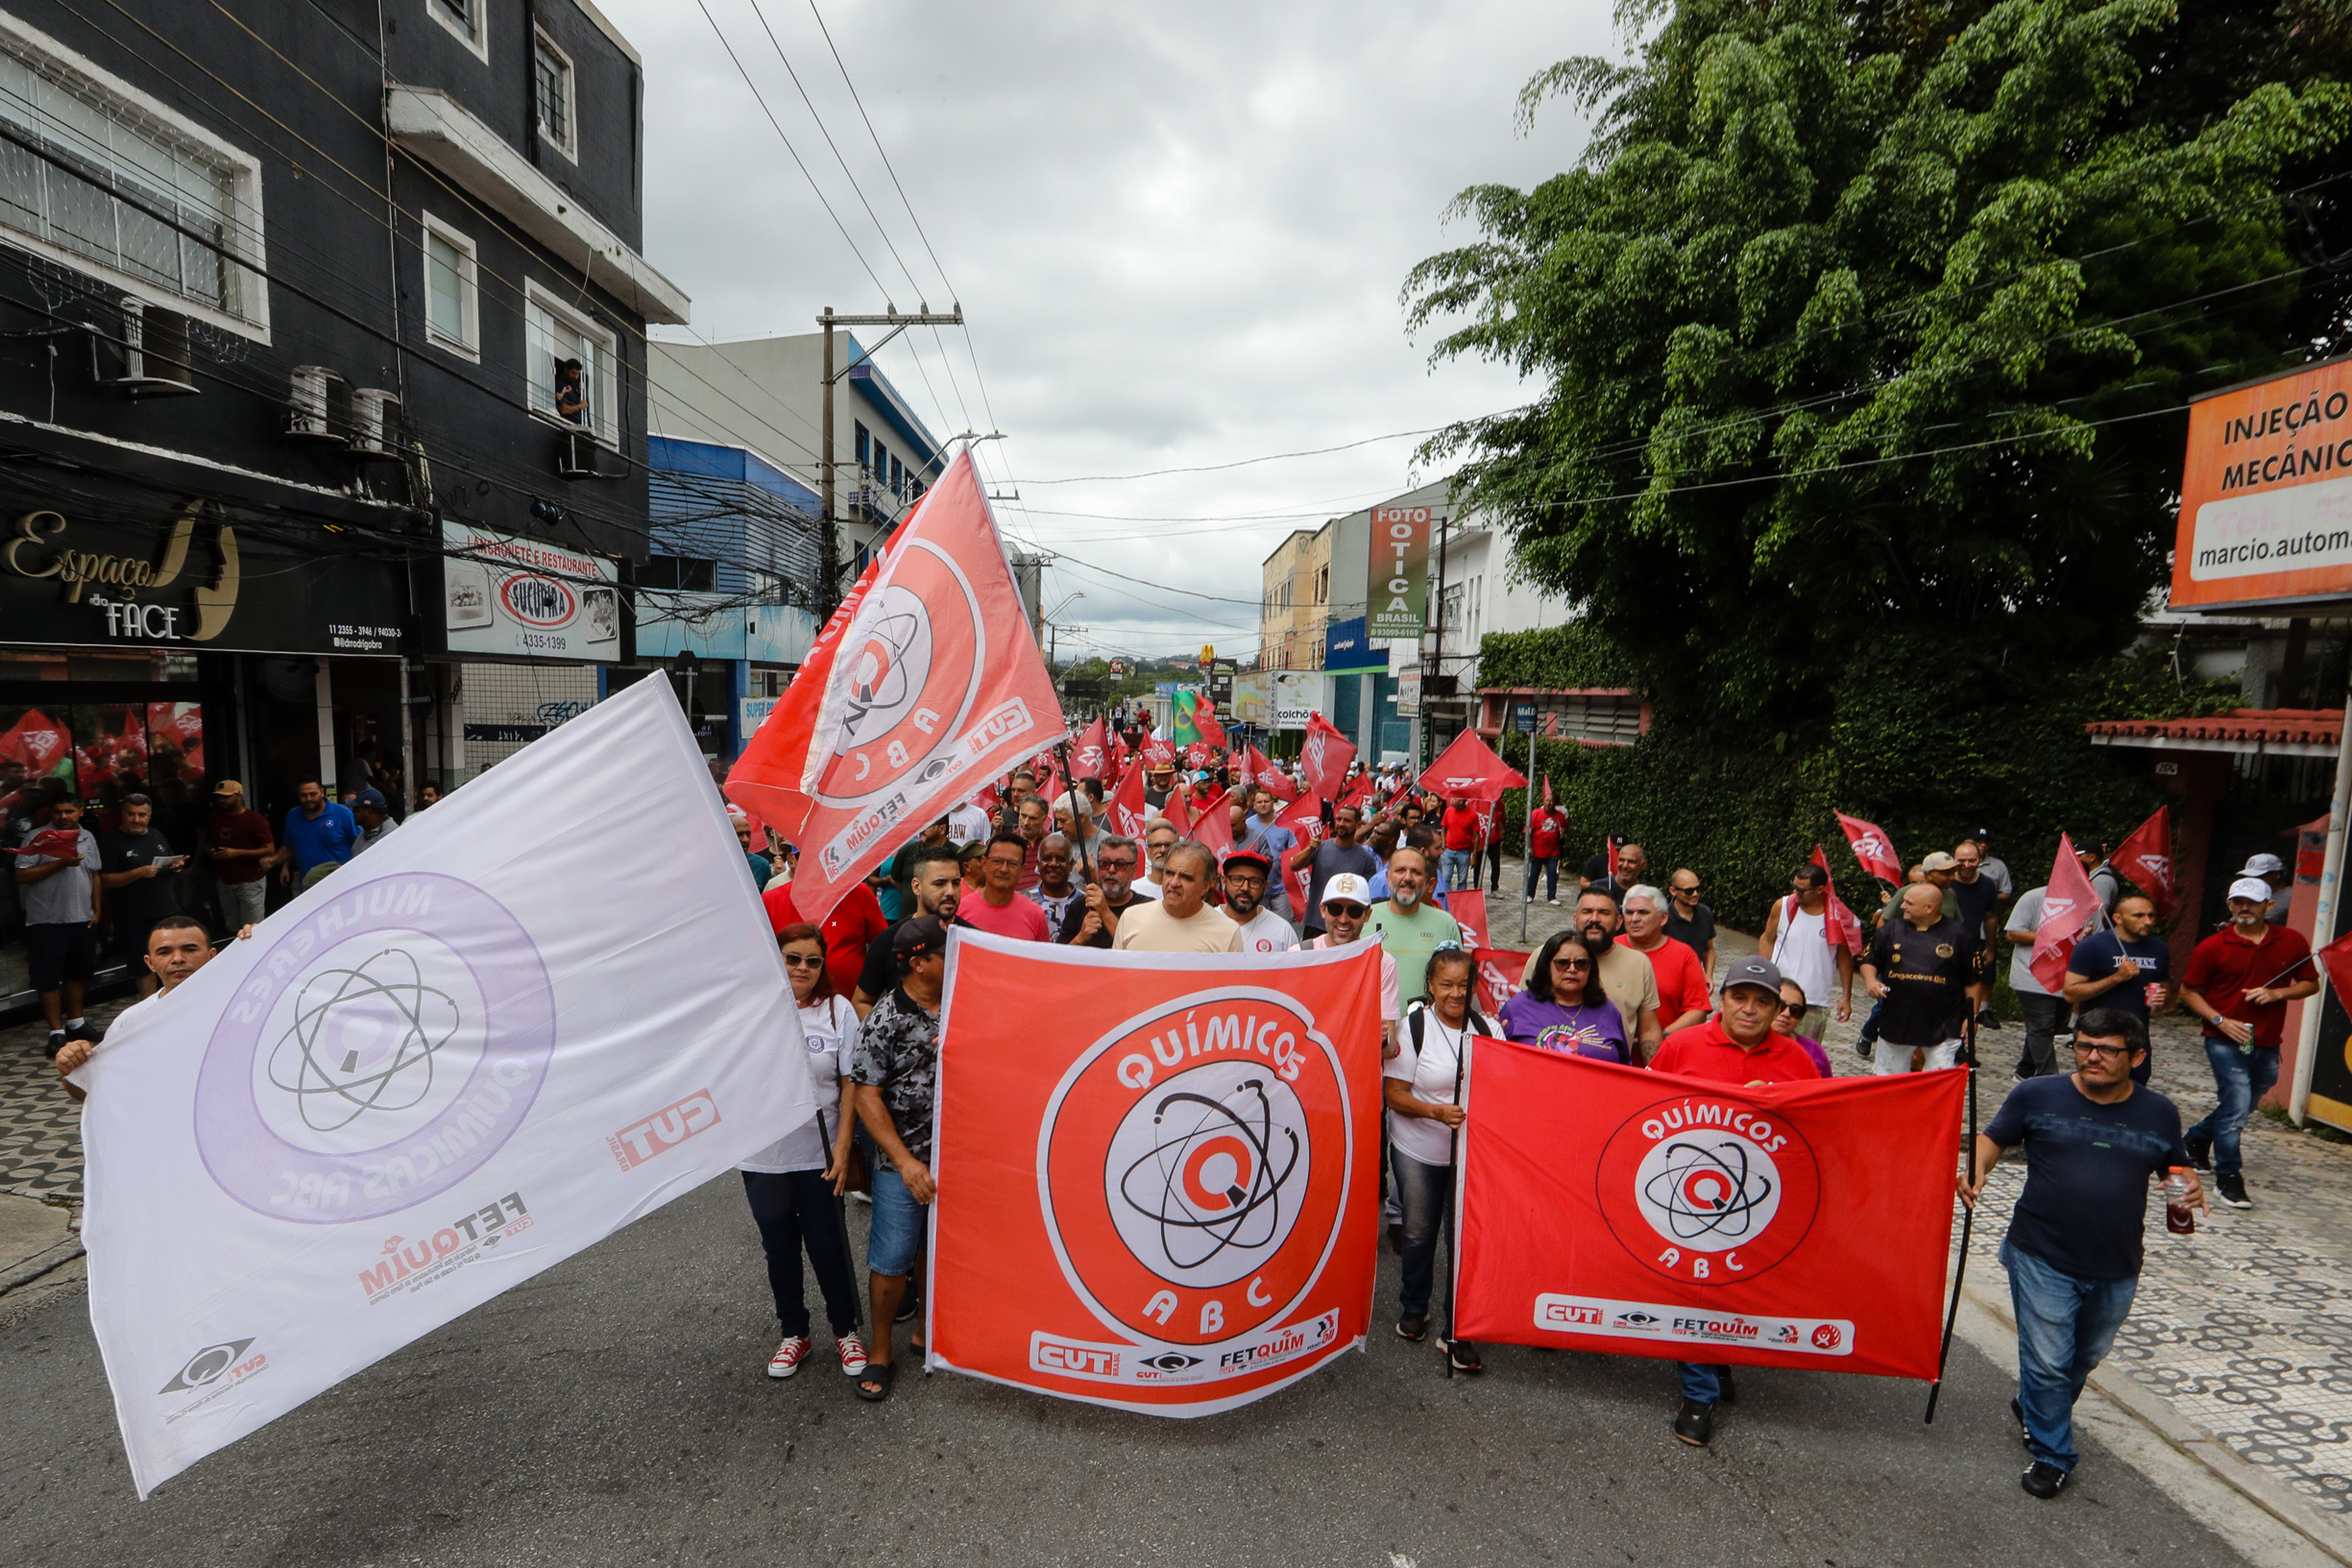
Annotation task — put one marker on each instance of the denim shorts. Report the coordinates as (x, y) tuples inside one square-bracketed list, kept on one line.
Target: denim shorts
[(896, 1238)]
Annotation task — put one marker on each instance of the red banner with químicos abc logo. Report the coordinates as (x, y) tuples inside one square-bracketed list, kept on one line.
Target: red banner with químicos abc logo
[(1162, 1191), (1794, 1224)]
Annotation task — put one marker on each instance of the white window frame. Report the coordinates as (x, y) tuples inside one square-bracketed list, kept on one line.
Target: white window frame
[(604, 393), (245, 231), (479, 41), (470, 291), (570, 146)]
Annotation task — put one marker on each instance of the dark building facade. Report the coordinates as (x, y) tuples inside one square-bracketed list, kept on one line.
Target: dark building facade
[(321, 392)]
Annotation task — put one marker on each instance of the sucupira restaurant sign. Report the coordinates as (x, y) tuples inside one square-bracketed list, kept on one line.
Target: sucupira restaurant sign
[(2266, 499), (190, 582)]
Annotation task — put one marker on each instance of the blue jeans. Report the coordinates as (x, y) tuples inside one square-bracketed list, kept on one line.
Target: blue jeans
[(895, 1238), (2241, 1077), (2064, 1327), (1702, 1381), (1548, 865), (1456, 869), (1425, 1193), (793, 1209)]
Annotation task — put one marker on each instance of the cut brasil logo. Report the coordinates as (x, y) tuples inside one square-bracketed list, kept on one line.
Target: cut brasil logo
[(1192, 1168), (377, 1053), (1708, 1190)]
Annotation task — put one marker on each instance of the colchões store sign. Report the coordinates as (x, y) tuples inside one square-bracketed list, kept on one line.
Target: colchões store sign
[(194, 580)]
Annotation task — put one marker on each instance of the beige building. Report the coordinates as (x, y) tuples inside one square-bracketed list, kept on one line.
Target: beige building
[(1296, 600)]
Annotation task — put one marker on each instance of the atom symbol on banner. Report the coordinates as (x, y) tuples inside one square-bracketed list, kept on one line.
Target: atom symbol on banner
[(1708, 1192), (1210, 1181), (362, 1040)]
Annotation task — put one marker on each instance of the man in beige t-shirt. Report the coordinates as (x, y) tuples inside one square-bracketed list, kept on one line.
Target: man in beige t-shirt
[(1182, 921)]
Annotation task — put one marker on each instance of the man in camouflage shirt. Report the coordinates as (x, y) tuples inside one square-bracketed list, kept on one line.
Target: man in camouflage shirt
[(896, 1068)]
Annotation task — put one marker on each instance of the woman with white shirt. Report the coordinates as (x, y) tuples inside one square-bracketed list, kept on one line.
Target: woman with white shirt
[(1422, 1084), (796, 1184)]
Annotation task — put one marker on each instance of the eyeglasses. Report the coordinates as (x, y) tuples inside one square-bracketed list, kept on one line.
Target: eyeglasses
[(1571, 963), (794, 960), (1352, 911), (1690, 891), (2085, 1049)]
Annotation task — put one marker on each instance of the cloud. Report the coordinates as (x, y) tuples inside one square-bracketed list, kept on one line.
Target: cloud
[(1179, 234)]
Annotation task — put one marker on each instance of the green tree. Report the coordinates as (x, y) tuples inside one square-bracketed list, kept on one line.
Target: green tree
[(1868, 318)]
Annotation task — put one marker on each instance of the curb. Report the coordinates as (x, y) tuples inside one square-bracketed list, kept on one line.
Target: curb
[(54, 1256), (2323, 1533)]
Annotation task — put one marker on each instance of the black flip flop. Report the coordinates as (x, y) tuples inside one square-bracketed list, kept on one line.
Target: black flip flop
[(876, 1372)]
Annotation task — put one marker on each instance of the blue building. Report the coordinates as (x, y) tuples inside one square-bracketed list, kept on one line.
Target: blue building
[(724, 603)]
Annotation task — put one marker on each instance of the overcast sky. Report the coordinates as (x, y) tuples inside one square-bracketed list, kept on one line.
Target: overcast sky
[(1179, 234)]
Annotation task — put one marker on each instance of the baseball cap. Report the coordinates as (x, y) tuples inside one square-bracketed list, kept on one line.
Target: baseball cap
[(919, 935), (1982, 836), (1938, 861), (1251, 858), (1761, 972), (229, 786), (2262, 865), (1349, 888), (372, 798), (2250, 887)]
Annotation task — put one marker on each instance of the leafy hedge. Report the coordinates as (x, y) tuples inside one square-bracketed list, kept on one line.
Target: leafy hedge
[(1923, 743), (1573, 656)]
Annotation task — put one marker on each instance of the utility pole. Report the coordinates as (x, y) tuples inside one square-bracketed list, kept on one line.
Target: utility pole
[(829, 542)]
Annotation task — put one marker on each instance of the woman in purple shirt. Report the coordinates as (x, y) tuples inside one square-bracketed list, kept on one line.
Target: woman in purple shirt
[(1554, 1013)]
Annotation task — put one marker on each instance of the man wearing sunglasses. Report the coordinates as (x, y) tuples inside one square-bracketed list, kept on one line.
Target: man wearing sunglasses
[(2092, 1139), (1347, 903)]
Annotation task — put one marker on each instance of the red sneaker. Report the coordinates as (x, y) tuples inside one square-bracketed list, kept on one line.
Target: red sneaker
[(788, 1356), (853, 1353)]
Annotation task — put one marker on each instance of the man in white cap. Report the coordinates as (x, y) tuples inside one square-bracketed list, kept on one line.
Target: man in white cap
[(2238, 980), (1347, 903), (2272, 871)]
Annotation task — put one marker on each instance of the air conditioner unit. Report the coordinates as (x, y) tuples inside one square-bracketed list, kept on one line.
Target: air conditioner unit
[(155, 346), (577, 457), (319, 405), (376, 424)]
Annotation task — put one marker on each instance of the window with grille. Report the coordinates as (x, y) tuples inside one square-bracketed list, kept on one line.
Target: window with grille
[(97, 174), (570, 365), (552, 91)]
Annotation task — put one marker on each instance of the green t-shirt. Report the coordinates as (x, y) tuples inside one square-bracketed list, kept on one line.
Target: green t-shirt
[(1410, 939)]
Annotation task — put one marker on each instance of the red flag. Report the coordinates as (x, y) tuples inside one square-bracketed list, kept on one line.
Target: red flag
[(1128, 811), (2146, 859), (1497, 978), (768, 780), (1304, 817), (1872, 848), (1359, 794), (1781, 1224), (1115, 760), (1269, 777), (1325, 758), (934, 681), (1179, 808), (1204, 722), (1617, 842), (1469, 767), (1469, 908), (2067, 909), (1157, 755), (1839, 921), (1199, 754), (37, 740), (1212, 826), (2336, 959)]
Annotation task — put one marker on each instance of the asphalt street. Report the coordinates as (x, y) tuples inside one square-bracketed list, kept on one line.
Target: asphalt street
[(615, 1411)]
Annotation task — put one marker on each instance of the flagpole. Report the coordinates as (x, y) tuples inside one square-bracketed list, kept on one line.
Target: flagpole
[(1527, 836), (1453, 1248), (1068, 784), (1968, 1224)]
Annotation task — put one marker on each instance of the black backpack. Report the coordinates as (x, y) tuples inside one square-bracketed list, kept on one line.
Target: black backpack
[(1474, 1024)]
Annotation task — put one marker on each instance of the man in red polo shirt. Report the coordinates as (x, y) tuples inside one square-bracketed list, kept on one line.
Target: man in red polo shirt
[(856, 921), (2238, 980), (1738, 1047), (1682, 984)]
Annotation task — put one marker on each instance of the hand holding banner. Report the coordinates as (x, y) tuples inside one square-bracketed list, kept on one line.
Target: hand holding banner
[(1168, 1200)]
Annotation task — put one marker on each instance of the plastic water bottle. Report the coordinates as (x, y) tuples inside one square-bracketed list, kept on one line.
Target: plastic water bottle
[(2179, 1218)]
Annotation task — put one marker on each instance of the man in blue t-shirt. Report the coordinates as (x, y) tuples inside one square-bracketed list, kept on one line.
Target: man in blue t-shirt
[(2092, 1139), (319, 831), (2123, 967)]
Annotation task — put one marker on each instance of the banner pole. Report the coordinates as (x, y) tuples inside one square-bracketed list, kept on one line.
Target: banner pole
[(1968, 1224), (1061, 748), (1453, 1245)]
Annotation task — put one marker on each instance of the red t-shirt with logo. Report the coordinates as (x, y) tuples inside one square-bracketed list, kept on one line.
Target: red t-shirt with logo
[(1461, 828), (1705, 1051), (1544, 834), (2225, 966), (856, 921)]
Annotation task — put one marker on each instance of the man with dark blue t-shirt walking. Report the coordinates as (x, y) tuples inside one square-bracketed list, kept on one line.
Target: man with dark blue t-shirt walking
[(2092, 1139)]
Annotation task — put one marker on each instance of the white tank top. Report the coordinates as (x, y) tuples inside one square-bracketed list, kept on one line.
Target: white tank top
[(1803, 954)]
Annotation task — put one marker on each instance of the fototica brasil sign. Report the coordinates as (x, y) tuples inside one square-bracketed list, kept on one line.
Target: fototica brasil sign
[(2266, 508)]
